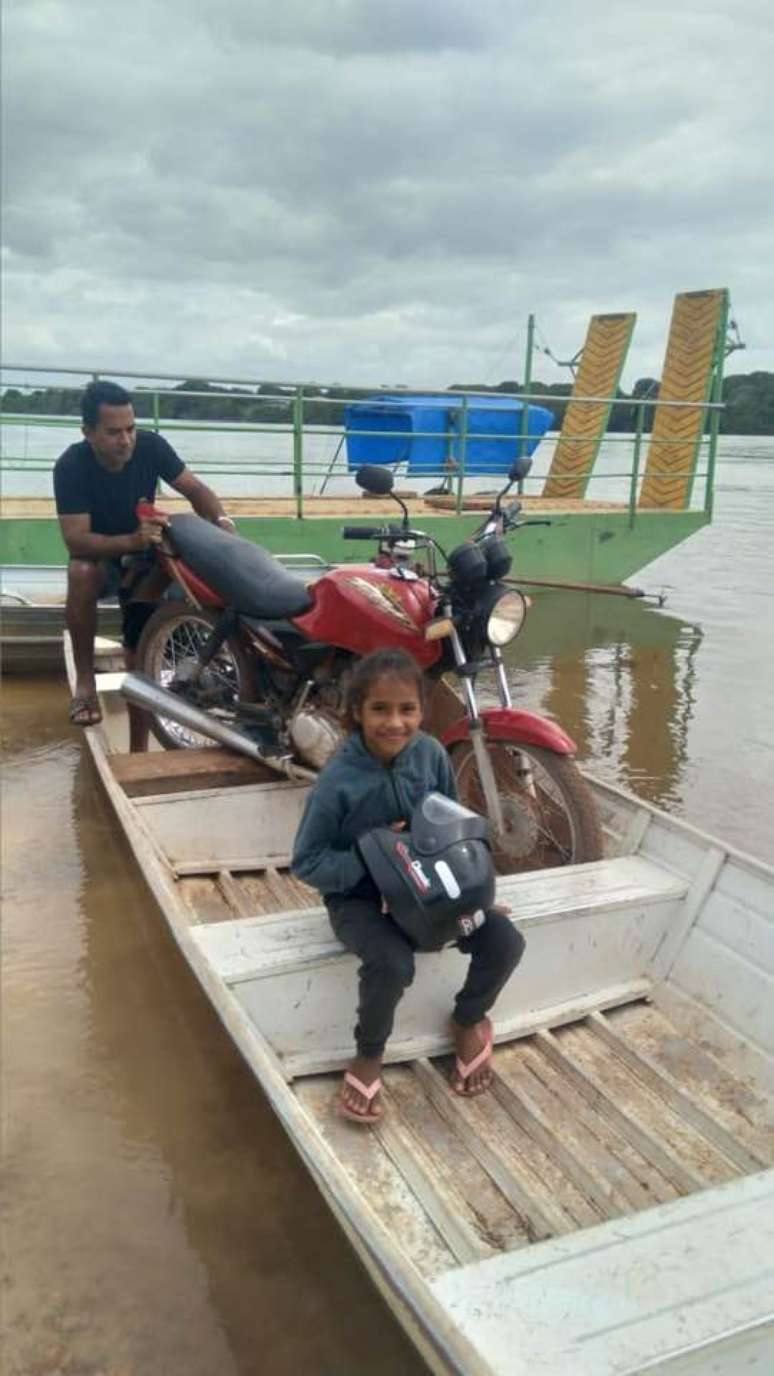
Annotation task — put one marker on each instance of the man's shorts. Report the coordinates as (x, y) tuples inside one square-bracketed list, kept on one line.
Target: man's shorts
[(133, 614)]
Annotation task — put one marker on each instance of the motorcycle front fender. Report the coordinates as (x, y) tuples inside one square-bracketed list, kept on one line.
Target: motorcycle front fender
[(516, 727)]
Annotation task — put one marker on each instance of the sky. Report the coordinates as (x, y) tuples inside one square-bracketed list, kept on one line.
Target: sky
[(379, 192)]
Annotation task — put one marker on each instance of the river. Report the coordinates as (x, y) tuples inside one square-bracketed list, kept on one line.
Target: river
[(156, 1219)]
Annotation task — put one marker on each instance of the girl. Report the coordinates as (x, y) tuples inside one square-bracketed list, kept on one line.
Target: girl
[(384, 768)]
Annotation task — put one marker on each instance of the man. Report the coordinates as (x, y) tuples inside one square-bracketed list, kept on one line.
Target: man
[(98, 483)]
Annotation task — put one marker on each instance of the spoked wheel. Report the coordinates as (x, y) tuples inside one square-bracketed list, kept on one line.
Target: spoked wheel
[(548, 810), (169, 648)]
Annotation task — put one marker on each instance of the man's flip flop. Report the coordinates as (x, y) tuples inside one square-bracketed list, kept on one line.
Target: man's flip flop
[(85, 711), (463, 1070), (368, 1092)]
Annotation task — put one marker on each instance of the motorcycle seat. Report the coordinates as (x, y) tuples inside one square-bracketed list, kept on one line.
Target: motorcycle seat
[(246, 576)]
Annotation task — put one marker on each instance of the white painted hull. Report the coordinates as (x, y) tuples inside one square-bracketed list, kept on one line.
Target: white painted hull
[(608, 1208)]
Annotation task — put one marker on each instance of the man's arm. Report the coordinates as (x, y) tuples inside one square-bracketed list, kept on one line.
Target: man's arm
[(83, 543), (202, 499)]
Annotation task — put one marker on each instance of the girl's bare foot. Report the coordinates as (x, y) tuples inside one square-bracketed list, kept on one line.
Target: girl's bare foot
[(360, 1092), (472, 1072)]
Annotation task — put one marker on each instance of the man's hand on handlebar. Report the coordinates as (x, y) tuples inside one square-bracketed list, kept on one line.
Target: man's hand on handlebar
[(149, 532)]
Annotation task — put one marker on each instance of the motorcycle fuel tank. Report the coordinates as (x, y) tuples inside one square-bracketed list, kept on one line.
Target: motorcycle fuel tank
[(361, 608)]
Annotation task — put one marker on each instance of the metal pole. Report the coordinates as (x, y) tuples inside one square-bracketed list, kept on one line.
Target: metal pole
[(527, 385), (463, 450), (561, 585), (331, 465), (298, 451), (716, 396), (636, 466)]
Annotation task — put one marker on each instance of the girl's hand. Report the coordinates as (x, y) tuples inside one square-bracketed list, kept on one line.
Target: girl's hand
[(398, 826), (501, 909)]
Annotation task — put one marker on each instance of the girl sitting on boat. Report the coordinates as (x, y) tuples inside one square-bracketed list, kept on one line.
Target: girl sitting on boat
[(385, 767)]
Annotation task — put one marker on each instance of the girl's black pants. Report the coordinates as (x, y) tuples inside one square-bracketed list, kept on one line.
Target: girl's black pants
[(387, 964)]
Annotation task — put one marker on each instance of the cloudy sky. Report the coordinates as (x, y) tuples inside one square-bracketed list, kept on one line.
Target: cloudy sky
[(379, 191)]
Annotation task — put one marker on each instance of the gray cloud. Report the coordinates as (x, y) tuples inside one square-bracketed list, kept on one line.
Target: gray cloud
[(382, 191)]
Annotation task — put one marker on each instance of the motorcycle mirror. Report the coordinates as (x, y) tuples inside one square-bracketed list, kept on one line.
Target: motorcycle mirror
[(374, 479), (519, 468), (517, 471)]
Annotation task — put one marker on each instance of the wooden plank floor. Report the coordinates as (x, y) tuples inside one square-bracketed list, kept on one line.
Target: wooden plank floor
[(42, 508), (589, 1122), (224, 896)]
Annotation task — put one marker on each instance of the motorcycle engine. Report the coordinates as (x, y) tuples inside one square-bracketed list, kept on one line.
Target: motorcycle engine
[(315, 736)]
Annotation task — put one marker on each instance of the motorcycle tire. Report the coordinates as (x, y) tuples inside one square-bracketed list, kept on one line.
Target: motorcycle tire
[(554, 822), (171, 635)]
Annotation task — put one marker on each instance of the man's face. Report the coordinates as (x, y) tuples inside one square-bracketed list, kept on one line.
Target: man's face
[(113, 437)]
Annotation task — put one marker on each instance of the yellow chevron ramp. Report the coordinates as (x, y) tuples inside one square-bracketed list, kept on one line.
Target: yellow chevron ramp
[(697, 329), (584, 424)]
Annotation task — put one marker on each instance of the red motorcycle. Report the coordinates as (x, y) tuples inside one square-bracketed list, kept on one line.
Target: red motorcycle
[(250, 644)]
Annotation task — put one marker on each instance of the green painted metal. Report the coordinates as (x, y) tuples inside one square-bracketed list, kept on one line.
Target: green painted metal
[(298, 451), (636, 465), (713, 394), (463, 455), (716, 395), (594, 547), (527, 385), (580, 545)]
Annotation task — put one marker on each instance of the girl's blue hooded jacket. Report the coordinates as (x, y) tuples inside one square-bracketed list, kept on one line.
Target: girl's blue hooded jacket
[(356, 792)]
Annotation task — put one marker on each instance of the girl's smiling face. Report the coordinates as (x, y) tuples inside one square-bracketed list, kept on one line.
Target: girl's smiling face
[(389, 716)]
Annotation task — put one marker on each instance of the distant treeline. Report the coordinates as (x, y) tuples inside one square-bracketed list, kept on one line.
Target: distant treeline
[(748, 398)]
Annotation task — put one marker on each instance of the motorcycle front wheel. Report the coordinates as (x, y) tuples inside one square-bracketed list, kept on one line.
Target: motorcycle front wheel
[(548, 810), (169, 647)]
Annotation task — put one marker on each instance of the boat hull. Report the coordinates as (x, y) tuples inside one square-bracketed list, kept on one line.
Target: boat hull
[(515, 1233), (589, 545)]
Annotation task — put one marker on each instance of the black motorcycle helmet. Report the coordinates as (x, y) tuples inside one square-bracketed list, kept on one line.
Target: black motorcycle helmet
[(438, 877)]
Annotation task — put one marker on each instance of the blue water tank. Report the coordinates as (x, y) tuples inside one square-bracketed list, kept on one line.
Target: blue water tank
[(425, 432)]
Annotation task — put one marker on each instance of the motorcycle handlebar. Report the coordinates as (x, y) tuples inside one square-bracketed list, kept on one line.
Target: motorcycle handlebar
[(362, 532)]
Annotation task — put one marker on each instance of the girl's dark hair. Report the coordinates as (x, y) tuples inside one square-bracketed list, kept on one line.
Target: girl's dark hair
[(381, 664)]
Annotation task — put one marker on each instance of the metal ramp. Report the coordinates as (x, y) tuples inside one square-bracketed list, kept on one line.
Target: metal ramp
[(602, 360), (695, 351)]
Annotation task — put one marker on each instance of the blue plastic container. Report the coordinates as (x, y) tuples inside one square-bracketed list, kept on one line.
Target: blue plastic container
[(424, 432)]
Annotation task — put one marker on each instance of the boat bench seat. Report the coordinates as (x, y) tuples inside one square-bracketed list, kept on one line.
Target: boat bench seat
[(295, 979), (246, 948)]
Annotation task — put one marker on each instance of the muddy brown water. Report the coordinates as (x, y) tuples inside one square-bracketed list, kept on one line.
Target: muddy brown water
[(155, 1216)]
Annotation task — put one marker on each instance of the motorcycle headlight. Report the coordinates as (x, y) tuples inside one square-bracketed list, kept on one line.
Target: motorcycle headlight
[(506, 618)]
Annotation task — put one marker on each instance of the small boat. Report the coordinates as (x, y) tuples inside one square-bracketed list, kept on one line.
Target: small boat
[(32, 612), (608, 1207), (32, 618)]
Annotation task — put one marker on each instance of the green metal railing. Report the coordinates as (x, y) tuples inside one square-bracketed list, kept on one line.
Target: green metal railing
[(296, 400)]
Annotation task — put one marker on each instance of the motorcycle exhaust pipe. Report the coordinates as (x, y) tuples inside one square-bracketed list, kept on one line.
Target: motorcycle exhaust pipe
[(142, 692)]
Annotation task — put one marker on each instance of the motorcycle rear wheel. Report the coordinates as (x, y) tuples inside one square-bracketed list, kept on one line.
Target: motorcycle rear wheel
[(554, 823), (174, 634)]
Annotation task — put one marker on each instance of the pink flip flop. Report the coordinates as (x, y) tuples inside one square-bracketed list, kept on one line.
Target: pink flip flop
[(463, 1070), (368, 1092)]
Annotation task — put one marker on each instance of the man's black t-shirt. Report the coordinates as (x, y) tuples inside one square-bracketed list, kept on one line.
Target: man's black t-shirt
[(82, 485)]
